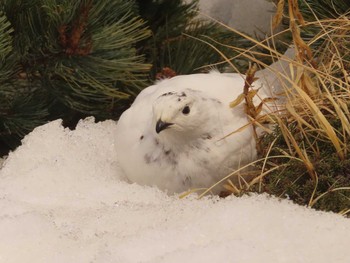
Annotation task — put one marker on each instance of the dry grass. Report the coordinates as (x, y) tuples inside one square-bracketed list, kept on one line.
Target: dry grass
[(313, 127)]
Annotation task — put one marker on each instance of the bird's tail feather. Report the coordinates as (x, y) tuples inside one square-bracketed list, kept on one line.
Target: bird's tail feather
[(275, 77)]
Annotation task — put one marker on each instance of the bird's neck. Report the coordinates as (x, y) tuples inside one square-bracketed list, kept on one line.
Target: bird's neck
[(181, 141)]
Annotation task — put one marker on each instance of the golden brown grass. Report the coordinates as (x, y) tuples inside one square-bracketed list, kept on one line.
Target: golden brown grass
[(315, 119)]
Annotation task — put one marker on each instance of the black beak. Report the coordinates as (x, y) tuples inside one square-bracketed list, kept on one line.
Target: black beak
[(162, 125)]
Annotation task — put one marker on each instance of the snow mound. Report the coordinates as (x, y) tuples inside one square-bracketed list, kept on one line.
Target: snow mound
[(63, 199)]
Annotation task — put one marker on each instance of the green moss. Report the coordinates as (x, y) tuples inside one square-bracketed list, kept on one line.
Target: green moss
[(294, 182)]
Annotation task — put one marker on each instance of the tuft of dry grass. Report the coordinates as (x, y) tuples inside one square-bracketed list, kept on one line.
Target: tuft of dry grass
[(306, 157)]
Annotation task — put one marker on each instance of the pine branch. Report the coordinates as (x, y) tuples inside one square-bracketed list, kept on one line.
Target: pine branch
[(20, 111), (63, 58), (82, 52)]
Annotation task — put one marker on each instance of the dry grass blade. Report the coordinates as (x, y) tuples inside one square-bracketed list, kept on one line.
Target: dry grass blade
[(257, 122), (248, 96), (191, 191), (301, 153), (235, 173), (276, 20), (312, 130), (321, 120), (313, 202), (304, 53), (344, 212), (230, 186), (336, 103), (241, 169)]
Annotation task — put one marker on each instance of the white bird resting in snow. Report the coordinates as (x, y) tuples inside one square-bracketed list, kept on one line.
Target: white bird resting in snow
[(174, 135)]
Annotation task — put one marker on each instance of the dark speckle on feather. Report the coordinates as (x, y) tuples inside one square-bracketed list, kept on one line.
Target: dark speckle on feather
[(167, 157), (207, 136), (187, 182), (207, 149), (167, 94), (170, 157), (204, 162), (147, 158), (156, 141), (216, 101), (172, 160), (141, 138)]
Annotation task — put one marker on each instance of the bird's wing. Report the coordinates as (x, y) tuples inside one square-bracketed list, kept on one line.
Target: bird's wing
[(275, 77)]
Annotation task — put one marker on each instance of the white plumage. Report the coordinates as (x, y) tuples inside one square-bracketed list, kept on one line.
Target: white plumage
[(174, 134)]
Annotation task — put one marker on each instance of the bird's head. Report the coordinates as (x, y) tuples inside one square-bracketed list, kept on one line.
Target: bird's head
[(180, 112)]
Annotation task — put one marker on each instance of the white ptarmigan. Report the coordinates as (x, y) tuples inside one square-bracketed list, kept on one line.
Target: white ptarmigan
[(174, 134)]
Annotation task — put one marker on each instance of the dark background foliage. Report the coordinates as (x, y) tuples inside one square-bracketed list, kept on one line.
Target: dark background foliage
[(71, 59)]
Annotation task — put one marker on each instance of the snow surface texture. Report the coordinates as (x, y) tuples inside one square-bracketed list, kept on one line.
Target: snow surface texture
[(62, 200)]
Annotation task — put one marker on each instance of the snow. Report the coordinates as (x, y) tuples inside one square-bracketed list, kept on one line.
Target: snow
[(63, 199)]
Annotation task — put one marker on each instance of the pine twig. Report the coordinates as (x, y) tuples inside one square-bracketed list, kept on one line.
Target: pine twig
[(72, 43)]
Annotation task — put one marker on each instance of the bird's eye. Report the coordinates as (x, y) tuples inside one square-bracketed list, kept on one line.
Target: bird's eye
[(186, 110)]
